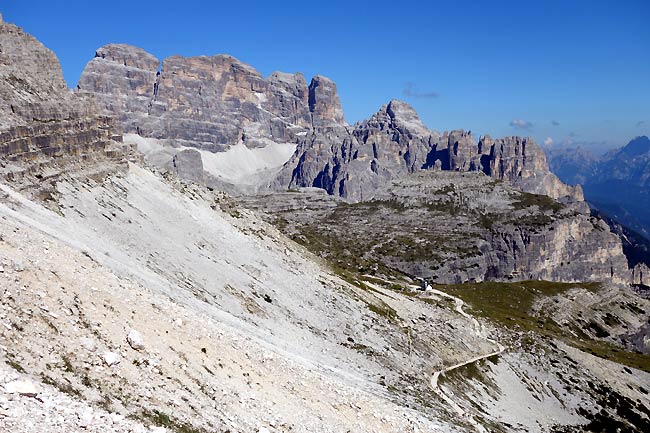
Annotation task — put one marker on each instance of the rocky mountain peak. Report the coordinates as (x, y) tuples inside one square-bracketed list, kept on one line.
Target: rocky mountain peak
[(406, 117), (324, 100), (287, 80), (218, 65), (22, 54), (638, 146), (129, 56), (462, 151), (215, 102), (121, 79)]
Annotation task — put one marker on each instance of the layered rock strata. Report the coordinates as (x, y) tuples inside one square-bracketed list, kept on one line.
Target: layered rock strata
[(43, 125), (206, 102), (452, 227)]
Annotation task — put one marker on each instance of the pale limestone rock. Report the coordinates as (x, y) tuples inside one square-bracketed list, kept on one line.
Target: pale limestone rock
[(43, 125), (641, 274), (188, 165), (89, 344), (111, 358), (135, 340), (22, 387)]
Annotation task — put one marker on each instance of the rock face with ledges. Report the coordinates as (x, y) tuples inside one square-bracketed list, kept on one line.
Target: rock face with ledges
[(523, 163), (452, 227), (324, 100), (214, 102), (206, 102), (43, 125), (125, 90)]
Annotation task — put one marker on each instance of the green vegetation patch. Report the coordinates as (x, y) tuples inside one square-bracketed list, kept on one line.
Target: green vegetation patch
[(163, 420), (545, 203), (510, 305)]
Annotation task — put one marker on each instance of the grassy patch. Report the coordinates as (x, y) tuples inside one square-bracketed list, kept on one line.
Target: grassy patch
[(161, 419), (545, 203), (64, 387), (510, 305), (13, 364), (67, 365)]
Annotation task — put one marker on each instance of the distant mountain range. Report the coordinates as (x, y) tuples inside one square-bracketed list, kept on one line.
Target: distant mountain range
[(617, 183)]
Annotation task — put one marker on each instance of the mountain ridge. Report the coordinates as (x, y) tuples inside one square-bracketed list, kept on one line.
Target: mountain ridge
[(215, 102), (617, 183)]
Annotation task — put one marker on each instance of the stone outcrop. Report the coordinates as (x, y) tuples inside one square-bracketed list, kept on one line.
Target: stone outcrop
[(641, 275), (324, 100), (43, 125), (188, 165), (356, 162), (523, 163), (124, 92)]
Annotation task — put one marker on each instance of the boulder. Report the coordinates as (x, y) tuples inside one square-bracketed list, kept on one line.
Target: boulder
[(111, 358), (22, 387), (188, 165), (135, 340), (89, 344)]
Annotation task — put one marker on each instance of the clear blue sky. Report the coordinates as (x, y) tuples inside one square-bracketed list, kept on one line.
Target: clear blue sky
[(576, 71)]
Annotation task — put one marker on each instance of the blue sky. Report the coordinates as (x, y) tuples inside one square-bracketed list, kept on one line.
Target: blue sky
[(575, 71)]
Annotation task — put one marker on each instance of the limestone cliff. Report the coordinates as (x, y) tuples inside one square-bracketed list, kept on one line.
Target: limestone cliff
[(228, 111), (43, 125), (357, 163), (206, 102), (215, 102), (124, 92)]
